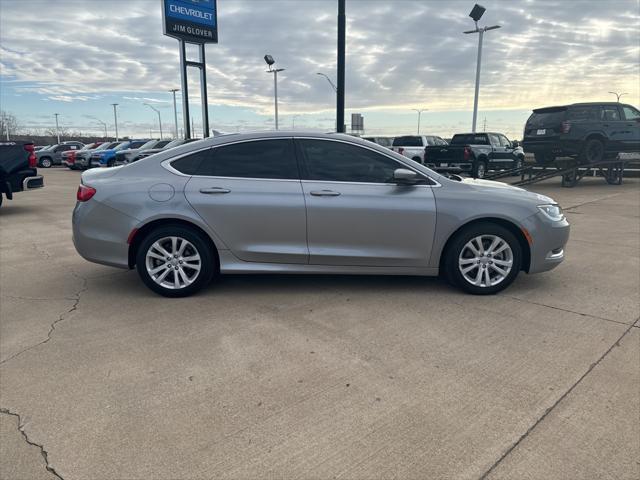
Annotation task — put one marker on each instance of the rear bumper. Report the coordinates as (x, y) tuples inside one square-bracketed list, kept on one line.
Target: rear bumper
[(554, 146), (100, 233)]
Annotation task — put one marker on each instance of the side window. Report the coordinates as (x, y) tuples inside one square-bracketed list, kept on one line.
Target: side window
[(440, 141), (495, 141), (62, 148), (504, 141), (331, 161), (609, 114), (252, 159), (630, 113), (583, 113)]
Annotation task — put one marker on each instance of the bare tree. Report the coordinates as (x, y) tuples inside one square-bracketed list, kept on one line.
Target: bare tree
[(8, 125)]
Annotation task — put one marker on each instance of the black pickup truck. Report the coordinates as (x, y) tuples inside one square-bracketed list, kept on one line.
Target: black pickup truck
[(475, 153), (18, 170)]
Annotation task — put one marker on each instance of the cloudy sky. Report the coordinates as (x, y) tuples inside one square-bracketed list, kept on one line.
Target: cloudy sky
[(77, 57)]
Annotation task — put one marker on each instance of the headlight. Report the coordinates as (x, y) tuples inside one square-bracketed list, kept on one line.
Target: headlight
[(552, 212)]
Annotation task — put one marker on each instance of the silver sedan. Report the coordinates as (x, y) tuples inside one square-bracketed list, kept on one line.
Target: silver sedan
[(278, 202)]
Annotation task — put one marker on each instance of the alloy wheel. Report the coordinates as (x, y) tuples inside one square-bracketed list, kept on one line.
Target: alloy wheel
[(485, 260), (173, 262)]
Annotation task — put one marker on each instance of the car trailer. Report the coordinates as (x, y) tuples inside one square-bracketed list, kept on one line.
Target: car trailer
[(571, 171)]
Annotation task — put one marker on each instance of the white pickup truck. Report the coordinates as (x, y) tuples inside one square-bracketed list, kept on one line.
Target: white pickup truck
[(412, 146)]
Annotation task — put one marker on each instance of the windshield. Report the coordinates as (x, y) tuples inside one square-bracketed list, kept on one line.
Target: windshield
[(121, 146), (174, 143), (148, 145), (470, 139), (48, 147)]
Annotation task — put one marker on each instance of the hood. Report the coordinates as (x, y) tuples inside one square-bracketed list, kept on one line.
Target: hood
[(500, 188)]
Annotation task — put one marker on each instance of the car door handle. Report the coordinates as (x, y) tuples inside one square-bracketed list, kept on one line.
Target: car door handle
[(214, 190), (324, 193)]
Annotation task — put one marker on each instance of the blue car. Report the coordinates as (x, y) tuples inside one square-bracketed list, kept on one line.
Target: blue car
[(107, 158)]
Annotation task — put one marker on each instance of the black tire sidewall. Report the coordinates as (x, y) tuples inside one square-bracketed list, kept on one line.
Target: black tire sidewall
[(46, 159), (476, 170), (208, 258), (588, 146), (453, 273)]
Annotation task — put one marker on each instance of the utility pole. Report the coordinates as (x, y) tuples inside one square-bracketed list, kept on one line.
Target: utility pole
[(175, 110), (270, 61), (115, 118), (57, 127), (618, 95), (484, 125), (342, 34)]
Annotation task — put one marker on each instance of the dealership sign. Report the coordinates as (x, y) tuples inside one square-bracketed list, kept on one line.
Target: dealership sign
[(194, 21)]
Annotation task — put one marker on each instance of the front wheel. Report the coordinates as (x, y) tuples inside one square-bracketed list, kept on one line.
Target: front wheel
[(46, 162), (175, 261), (483, 259)]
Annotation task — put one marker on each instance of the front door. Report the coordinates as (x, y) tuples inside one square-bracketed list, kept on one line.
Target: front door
[(631, 138), (250, 195), (356, 215)]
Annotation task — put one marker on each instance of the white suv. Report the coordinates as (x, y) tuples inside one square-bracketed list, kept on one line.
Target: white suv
[(412, 146)]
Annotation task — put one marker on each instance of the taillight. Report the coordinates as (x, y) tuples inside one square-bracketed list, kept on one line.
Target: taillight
[(566, 127), (466, 154), (400, 150), (85, 193), (33, 161)]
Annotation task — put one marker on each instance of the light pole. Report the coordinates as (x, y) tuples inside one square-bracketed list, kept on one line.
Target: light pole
[(159, 119), (293, 122), (476, 14), (341, 54), (57, 127), (333, 85), (618, 95), (419, 110), (103, 124), (270, 61), (115, 118), (175, 110)]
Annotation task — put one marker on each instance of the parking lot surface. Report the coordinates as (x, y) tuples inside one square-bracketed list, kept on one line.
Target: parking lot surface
[(320, 376)]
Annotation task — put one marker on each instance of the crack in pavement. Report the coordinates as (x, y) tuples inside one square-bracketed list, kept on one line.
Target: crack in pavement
[(60, 318), (606, 197), (531, 302), (556, 403), (43, 452)]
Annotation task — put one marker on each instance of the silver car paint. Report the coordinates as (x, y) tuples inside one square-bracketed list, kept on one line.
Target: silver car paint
[(392, 229)]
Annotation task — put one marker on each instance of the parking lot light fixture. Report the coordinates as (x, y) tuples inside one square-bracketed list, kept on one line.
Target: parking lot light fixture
[(159, 118), (333, 85), (618, 95), (115, 118), (103, 124), (270, 62), (476, 14), (419, 110)]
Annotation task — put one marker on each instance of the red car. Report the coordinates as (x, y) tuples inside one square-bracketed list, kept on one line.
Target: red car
[(69, 157)]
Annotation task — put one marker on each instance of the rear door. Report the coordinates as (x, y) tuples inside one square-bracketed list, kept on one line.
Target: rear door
[(249, 193), (356, 215)]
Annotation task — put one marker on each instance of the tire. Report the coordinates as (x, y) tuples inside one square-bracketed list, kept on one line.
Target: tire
[(460, 256), (111, 163), (417, 159), (46, 162), (164, 282), (593, 151), (542, 158), (0, 199), (519, 163), (480, 169)]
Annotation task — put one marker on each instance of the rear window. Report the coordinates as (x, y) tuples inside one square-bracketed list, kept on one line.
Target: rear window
[(470, 139), (409, 141), (543, 117)]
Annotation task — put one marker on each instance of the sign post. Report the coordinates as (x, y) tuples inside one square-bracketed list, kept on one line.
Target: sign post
[(195, 22)]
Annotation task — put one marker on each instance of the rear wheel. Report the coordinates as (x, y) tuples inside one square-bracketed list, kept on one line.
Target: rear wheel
[(175, 261), (417, 159), (543, 158), (480, 169), (593, 151), (483, 259), (46, 162)]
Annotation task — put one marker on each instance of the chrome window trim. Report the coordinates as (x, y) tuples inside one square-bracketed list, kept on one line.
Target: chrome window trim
[(166, 164)]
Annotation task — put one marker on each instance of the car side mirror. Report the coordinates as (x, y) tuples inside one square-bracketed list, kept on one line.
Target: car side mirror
[(405, 176)]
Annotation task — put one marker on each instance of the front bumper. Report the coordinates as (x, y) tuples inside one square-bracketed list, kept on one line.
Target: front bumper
[(549, 242)]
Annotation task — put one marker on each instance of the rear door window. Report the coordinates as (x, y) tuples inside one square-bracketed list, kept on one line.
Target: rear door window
[(273, 159), (583, 113), (609, 113)]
